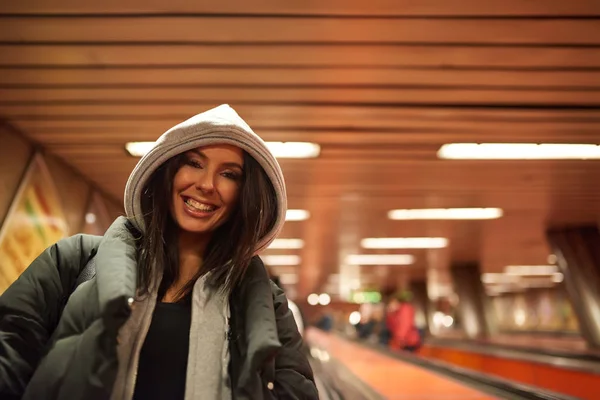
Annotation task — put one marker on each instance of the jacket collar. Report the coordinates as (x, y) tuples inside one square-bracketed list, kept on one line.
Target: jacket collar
[(116, 270)]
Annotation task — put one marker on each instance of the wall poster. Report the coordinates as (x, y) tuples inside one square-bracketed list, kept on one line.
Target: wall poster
[(34, 222)]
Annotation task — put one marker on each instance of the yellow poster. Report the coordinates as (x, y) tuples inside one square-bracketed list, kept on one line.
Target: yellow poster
[(34, 222)]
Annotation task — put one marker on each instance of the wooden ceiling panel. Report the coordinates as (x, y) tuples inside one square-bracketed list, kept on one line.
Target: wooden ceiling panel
[(380, 85), (515, 123), (324, 114), (341, 56), (386, 8), (256, 30), (187, 77), (298, 94), (424, 138)]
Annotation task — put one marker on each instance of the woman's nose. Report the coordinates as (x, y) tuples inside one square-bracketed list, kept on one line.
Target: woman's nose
[(206, 183)]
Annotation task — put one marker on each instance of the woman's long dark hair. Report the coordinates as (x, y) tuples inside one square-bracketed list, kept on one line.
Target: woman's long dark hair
[(232, 245)]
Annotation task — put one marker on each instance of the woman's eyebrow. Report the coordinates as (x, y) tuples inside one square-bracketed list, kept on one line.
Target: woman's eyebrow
[(203, 156)]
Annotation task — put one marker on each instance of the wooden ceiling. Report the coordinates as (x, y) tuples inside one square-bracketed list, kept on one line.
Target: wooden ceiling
[(379, 84)]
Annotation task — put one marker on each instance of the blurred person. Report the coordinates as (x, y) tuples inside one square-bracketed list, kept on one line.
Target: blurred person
[(400, 321), (384, 334), (371, 317), (326, 322), (177, 304)]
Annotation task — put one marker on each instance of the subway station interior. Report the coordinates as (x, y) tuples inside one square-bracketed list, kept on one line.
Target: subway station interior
[(441, 160)]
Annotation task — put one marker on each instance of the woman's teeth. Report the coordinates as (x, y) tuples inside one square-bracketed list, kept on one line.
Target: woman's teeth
[(199, 206)]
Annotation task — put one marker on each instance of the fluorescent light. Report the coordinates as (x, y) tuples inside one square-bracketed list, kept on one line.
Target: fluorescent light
[(279, 149), (139, 149), (281, 260), (354, 318), (90, 218), (294, 149), (518, 151), (498, 278), (380, 259), (324, 299), (297, 215), (405, 243), (448, 321), (313, 299), (287, 244), (445, 213), (531, 270), (524, 280)]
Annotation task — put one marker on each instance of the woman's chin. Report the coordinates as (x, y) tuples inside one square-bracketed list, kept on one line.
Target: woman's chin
[(195, 228)]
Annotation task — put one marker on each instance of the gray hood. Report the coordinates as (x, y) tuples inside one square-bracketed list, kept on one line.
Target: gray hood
[(220, 125)]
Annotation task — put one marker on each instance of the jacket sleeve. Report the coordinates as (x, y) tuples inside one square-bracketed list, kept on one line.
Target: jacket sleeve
[(31, 307), (293, 374)]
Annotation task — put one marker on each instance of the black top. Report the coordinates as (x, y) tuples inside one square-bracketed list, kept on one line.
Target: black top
[(163, 358)]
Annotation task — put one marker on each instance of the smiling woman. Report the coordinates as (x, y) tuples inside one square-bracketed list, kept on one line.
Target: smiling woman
[(206, 188), (177, 283)]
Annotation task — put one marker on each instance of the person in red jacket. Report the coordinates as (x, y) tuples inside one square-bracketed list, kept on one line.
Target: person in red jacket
[(400, 322)]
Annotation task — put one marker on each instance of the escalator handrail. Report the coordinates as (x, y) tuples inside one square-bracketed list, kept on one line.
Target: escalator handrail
[(475, 379), (464, 343)]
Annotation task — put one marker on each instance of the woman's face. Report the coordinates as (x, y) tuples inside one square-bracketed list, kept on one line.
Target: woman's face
[(206, 188)]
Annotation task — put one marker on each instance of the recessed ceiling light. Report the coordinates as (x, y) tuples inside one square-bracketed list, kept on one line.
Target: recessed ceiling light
[(324, 299), (518, 151), (297, 215), (139, 149), (273, 260), (531, 270), (405, 243), (526, 279), (294, 149), (279, 149), (491, 278), (445, 213), (380, 259), (90, 218), (287, 244)]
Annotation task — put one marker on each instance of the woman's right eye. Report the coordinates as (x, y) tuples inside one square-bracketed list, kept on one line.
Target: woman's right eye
[(194, 163)]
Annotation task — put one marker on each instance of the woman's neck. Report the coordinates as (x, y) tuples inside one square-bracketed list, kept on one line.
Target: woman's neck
[(191, 251)]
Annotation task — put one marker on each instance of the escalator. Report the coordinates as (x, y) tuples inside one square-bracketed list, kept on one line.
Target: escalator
[(348, 369)]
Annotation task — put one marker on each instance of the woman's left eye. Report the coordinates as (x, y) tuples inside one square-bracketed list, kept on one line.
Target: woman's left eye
[(231, 175)]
